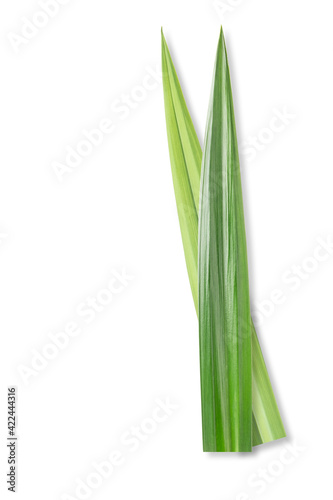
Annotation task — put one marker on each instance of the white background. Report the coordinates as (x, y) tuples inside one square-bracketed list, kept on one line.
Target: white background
[(61, 240)]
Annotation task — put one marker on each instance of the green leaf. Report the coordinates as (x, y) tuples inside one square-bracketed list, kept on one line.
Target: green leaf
[(265, 409), (224, 299), (186, 156)]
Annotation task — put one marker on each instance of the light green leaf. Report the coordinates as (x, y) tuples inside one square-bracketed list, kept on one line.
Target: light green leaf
[(185, 157)]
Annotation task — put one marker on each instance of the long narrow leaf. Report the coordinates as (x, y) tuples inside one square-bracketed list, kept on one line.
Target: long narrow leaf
[(224, 298), (185, 153)]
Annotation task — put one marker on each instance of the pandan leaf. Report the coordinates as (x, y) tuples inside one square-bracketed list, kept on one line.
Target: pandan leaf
[(186, 156), (224, 299)]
